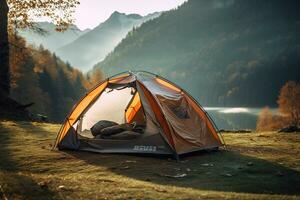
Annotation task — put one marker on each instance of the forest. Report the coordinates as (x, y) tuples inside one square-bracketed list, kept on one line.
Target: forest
[(225, 53), (42, 80), (40, 77)]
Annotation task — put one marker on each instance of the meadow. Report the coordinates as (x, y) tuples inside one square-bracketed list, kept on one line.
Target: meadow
[(258, 165)]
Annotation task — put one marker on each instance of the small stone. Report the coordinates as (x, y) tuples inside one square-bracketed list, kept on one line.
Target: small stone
[(125, 167), (250, 164), (207, 165), (62, 187), (228, 175), (43, 184)]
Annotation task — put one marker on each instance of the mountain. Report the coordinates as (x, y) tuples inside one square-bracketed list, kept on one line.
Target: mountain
[(51, 39), (93, 46), (224, 52)]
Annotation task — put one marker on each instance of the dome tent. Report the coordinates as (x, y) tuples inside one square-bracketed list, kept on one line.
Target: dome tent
[(174, 122)]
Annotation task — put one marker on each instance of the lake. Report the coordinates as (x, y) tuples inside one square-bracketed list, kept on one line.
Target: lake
[(235, 117)]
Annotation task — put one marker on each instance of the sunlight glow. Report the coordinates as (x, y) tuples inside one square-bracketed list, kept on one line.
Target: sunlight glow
[(235, 110), (90, 13)]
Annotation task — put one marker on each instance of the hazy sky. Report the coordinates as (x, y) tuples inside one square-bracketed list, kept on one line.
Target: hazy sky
[(92, 12)]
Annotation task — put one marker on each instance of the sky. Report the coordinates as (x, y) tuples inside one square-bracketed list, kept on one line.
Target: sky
[(91, 13)]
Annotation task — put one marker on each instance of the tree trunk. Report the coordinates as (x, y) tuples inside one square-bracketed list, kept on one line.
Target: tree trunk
[(4, 50)]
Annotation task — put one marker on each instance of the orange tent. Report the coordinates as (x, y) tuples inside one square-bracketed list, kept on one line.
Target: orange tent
[(174, 122)]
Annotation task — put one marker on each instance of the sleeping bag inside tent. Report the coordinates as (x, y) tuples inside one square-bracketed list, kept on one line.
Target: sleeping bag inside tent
[(138, 112)]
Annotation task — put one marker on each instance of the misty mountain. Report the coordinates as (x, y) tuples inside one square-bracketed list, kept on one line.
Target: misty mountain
[(51, 39), (93, 46), (224, 52)]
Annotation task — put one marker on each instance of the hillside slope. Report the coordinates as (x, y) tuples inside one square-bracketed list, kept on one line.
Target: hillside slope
[(224, 52), (51, 39), (255, 166), (93, 46)]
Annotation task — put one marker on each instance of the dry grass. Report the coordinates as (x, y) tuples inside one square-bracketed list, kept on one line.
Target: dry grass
[(255, 166)]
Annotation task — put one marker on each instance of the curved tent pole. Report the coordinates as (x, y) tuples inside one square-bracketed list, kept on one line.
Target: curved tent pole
[(128, 105), (58, 134), (118, 74)]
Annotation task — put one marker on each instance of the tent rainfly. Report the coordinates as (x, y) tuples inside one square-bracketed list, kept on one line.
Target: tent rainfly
[(173, 122)]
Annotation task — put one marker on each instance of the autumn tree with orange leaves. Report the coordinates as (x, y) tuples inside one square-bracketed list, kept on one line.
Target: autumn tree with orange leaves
[(288, 107), (289, 102), (268, 121)]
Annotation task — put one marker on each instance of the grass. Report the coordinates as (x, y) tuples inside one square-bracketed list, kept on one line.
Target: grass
[(254, 166)]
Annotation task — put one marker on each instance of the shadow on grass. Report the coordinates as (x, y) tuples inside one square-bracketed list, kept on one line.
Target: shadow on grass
[(219, 171), (35, 130), (14, 183)]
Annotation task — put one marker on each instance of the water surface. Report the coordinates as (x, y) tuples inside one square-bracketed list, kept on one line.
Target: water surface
[(235, 117)]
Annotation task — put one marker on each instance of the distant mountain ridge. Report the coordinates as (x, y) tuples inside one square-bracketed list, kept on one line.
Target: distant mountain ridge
[(52, 39), (92, 47), (224, 52)]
